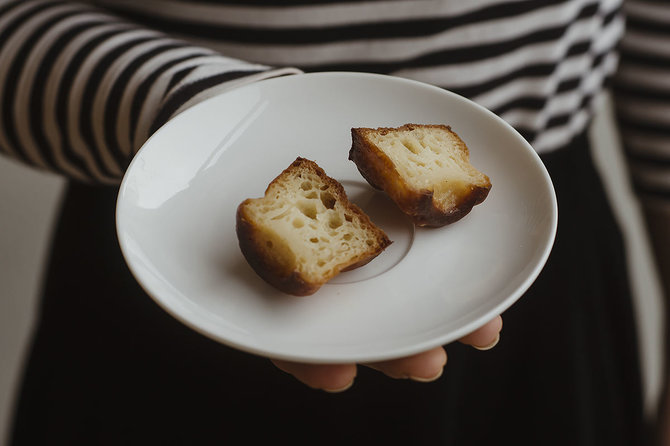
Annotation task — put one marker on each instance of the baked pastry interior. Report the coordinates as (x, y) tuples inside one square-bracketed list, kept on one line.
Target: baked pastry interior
[(304, 231), (425, 169)]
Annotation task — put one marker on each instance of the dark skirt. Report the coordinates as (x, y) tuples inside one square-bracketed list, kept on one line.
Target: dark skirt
[(108, 366)]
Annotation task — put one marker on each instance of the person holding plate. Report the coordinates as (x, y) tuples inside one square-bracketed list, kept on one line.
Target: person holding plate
[(85, 84)]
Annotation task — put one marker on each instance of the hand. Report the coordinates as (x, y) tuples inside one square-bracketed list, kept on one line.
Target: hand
[(423, 367)]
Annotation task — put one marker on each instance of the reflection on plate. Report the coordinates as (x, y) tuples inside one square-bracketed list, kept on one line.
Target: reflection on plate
[(176, 221)]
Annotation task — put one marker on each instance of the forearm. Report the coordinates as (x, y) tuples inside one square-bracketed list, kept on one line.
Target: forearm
[(81, 90)]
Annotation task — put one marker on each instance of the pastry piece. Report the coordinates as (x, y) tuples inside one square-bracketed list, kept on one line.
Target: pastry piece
[(304, 231), (425, 169)]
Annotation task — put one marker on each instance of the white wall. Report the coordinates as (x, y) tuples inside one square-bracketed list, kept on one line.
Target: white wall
[(28, 203)]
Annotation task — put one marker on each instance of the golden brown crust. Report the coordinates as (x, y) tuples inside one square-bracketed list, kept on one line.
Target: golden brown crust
[(273, 262), (378, 170), (278, 274)]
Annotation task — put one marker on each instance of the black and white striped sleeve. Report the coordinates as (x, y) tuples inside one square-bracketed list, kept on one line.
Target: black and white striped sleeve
[(642, 97), (81, 90)]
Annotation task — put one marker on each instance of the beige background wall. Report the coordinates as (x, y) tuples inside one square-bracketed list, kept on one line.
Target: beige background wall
[(28, 202)]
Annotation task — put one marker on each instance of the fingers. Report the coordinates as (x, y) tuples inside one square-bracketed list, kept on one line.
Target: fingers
[(328, 377), (485, 337), (422, 367)]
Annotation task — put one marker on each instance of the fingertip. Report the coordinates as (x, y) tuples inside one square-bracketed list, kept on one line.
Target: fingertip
[(423, 367), (428, 380), (332, 378), (487, 336), (490, 346), (341, 389), (496, 324)]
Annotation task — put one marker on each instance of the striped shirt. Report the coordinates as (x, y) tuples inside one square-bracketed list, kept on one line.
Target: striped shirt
[(84, 84)]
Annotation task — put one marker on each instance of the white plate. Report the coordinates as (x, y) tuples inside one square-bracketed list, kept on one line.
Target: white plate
[(176, 221)]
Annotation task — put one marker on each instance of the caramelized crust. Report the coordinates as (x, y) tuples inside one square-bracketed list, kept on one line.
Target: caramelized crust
[(269, 265), (440, 187)]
